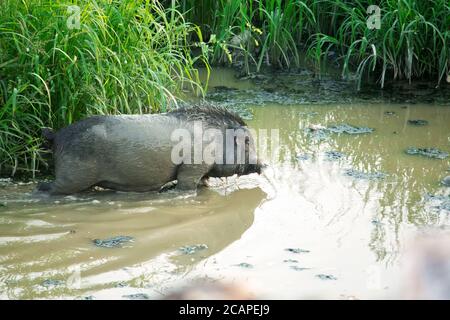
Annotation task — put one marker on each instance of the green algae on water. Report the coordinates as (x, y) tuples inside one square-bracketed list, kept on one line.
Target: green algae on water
[(427, 152), (114, 242)]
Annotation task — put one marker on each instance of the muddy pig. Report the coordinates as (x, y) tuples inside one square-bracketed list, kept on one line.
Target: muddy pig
[(145, 152)]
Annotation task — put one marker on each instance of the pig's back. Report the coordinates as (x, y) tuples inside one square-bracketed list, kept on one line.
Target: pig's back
[(123, 148)]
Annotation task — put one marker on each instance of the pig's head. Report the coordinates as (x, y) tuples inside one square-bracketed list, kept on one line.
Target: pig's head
[(237, 140), (239, 154)]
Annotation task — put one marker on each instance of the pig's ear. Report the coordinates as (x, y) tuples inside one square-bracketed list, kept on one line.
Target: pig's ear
[(48, 134)]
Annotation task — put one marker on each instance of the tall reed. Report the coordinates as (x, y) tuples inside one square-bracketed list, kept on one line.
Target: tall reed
[(413, 40), (126, 57)]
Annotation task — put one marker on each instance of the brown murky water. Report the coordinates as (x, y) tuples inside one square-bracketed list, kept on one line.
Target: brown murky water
[(351, 229)]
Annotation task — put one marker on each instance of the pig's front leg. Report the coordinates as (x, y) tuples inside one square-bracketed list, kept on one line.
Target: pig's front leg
[(190, 176)]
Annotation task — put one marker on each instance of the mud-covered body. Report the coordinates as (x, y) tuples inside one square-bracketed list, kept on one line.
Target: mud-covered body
[(133, 152)]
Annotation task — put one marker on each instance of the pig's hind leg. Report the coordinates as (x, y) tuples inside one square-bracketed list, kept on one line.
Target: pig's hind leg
[(64, 187), (70, 181)]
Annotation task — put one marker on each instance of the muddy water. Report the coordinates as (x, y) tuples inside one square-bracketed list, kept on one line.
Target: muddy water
[(330, 218)]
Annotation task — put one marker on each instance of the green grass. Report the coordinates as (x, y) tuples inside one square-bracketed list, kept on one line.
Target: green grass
[(413, 41), (272, 27), (127, 57)]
